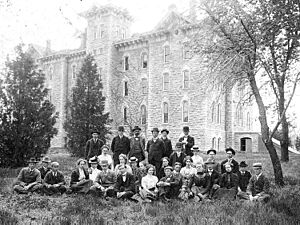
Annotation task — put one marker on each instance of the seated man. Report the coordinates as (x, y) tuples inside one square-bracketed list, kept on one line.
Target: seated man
[(259, 186), (105, 181), (136, 172), (46, 166), (213, 177), (199, 184), (124, 186), (228, 184), (54, 181), (29, 179), (178, 177), (244, 177)]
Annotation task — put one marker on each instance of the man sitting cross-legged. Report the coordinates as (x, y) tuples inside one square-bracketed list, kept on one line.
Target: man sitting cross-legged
[(105, 181), (29, 179), (199, 184), (124, 186), (54, 181), (213, 177)]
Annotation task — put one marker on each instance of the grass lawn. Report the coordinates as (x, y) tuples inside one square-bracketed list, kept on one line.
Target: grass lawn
[(283, 208)]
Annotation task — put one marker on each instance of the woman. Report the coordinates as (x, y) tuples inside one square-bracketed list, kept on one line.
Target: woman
[(123, 161), (80, 182), (165, 162), (106, 157), (197, 159), (188, 170), (148, 190)]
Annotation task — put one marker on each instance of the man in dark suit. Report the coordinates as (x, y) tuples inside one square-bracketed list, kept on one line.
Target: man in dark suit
[(213, 177), (54, 181), (137, 145), (167, 142), (177, 155), (120, 145), (125, 185), (93, 146), (45, 168), (168, 185), (235, 165), (156, 150), (187, 141), (244, 176)]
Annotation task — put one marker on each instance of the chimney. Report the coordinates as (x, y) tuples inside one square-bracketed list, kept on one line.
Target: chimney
[(83, 39), (193, 5), (48, 47)]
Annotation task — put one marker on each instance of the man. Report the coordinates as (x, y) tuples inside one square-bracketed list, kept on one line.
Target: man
[(54, 181), (228, 182), (211, 157), (136, 172), (137, 145), (93, 170), (187, 141), (167, 142), (259, 186), (29, 179), (93, 146), (244, 177), (178, 178), (235, 165), (167, 185), (199, 184), (46, 162), (124, 186), (213, 177), (105, 181), (120, 145), (177, 155), (156, 150)]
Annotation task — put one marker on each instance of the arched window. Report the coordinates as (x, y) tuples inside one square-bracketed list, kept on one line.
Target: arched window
[(165, 112), (166, 81), (143, 114), (126, 63), (144, 60), (125, 115), (248, 121), (186, 79), (73, 71), (219, 113), (185, 111), (213, 143), (219, 144), (144, 86), (167, 53), (50, 73), (213, 112)]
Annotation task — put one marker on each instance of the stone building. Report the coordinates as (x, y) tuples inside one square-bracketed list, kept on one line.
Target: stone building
[(152, 79)]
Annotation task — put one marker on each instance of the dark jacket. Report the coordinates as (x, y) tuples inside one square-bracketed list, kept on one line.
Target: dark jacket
[(258, 186), (51, 179), (156, 150), (229, 180), (174, 158), (128, 185), (213, 179), (244, 180), (168, 147), (93, 148), (235, 166), (44, 171), (75, 176), (175, 184), (200, 181), (137, 148), (120, 146), (189, 145)]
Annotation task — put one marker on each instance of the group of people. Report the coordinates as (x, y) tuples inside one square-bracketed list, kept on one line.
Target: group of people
[(149, 171)]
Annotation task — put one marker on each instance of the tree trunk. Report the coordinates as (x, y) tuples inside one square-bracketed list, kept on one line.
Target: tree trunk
[(284, 142)]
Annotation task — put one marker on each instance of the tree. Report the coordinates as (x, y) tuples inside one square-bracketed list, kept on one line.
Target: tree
[(85, 108), (257, 40), (27, 118)]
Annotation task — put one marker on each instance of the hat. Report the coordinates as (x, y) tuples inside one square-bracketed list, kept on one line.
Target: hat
[(186, 129), (103, 162), (230, 150), (133, 159), (243, 164), (155, 129), (164, 130), (195, 148), (105, 146), (136, 128), (177, 163), (32, 160), (46, 159), (211, 150), (209, 162), (178, 145), (257, 165), (79, 161), (95, 132), (93, 160), (166, 158), (121, 128), (168, 167)]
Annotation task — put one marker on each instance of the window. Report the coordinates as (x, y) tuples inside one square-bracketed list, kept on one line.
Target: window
[(219, 113), (185, 112), (143, 114), (125, 88), (166, 81), (125, 115), (165, 112), (213, 143), (213, 111), (144, 60), (126, 63), (186, 79), (101, 31), (186, 52), (167, 54), (73, 71), (219, 144), (248, 121), (95, 32), (144, 86), (50, 73)]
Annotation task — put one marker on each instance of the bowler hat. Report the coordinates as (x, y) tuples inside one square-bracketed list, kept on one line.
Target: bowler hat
[(32, 160), (155, 129), (103, 162), (243, 164), (136, 128), (178, 145), (95, 132), (211, 150), (93, 160), (195, 148), (133, 159), (257, 165), (164, 130), (46, 159), (230, 150), (121, 128), (186, 129), (168, 167)]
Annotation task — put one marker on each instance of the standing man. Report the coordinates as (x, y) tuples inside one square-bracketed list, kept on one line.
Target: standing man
[(93, 146), (187, 141), (235, 165), (211, 157), (167, 142), (156, 150), (120, 145), (177, 155), (137, 145)]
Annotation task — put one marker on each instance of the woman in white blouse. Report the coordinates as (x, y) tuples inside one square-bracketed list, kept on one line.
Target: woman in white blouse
[(148, 190), (106, 157), (123, 161), (188, 170)]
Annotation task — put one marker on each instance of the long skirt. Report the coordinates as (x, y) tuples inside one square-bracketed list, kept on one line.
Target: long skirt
[(82, 186)]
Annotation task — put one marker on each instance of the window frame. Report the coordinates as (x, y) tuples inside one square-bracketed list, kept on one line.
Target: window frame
[(165, 113), (166, 87), (185, 103), (126, 88), (126, 63), (143, 115), (143, 65)]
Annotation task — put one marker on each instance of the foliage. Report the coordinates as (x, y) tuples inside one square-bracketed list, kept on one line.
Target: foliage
[(297, 143), (27, 118), (85, 109)]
